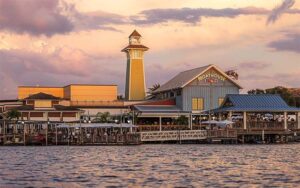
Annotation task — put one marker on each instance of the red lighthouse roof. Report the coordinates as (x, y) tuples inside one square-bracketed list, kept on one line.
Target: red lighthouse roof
[(135, 34)]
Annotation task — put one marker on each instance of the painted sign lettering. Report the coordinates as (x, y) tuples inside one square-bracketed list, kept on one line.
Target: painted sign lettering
[(211, 77)]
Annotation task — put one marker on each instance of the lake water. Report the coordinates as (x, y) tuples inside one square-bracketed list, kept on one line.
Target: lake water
[(151, 166)]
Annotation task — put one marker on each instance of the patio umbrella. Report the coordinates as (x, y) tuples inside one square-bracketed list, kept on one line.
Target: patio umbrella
[(225, 122), (210, 122)]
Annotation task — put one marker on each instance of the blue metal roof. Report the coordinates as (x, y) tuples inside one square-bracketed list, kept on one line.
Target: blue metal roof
[(256, 103)]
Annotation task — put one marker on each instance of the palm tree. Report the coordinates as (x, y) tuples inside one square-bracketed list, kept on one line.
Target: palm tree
[(151, 90), (102, 117), (13, 114)]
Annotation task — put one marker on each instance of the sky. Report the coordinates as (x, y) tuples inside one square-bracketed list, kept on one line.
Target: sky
[(61, 42)]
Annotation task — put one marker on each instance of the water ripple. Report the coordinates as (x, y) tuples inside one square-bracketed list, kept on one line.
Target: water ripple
[(151, 166)]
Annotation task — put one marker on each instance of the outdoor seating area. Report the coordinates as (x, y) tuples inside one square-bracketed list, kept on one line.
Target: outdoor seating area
[(43, 133)]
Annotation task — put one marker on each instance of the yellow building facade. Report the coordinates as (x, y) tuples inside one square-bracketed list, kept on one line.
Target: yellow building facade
[(73, 92), (135, 88), (26, 91)]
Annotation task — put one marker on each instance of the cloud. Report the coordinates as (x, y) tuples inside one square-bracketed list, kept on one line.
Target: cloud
[(279, 10), (192, 15), (92, 20), (33, 17), (59, 67), (50, 17), (255, 65), (61, 61), (290, 43)]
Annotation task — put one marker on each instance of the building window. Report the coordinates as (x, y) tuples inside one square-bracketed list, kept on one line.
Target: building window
[(220, 101), (137, 54), (197, 104)]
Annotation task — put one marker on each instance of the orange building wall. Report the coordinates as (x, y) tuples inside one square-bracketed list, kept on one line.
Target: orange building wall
[(74, 92), (93, 93), (26, 91)]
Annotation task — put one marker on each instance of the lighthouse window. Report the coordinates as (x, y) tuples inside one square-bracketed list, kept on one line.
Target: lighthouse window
[(137, 54)]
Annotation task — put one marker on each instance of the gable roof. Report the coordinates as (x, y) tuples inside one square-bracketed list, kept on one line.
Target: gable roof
[(42, 96), (255, 103), (135, 34), (185, 77)]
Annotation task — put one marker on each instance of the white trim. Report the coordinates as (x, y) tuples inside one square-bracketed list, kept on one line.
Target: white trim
[(129, 79), (145, 88), (219, 70)]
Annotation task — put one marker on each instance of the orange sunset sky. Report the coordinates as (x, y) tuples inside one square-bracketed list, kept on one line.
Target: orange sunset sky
[(52, 42)]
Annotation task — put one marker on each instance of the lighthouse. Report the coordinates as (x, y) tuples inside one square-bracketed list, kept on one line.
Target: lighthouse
[(135, 88)]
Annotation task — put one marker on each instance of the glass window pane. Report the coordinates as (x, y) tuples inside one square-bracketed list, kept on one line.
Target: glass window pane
[(200, 104), (194, 104)]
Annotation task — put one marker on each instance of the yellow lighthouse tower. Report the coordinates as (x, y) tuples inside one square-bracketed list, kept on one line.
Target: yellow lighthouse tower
[(135, 74)]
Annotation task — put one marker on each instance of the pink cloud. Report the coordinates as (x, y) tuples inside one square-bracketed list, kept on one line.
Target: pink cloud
[(33, 17)]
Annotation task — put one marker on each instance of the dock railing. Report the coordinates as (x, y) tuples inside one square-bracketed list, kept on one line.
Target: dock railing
[(266, 125), (145, 128), (222, 133)]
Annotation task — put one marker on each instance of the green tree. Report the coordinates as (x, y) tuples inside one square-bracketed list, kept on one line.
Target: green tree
[(13, 114), (102, 117), (151, 90), (182, 120), (257, 91), (286, 94)]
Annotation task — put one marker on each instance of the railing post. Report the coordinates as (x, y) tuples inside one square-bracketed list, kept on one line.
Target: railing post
[(160, 126), (191, 121), (245, 120), (230, 116), (298, 120), (56, 134), (285, 120)]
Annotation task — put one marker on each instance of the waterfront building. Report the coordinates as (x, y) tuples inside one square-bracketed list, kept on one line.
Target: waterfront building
[(199, 89), (192, 92), (135, 88), (91, 99), (42, 107), (181, 108)]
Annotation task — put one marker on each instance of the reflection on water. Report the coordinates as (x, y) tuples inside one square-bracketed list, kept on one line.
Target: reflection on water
[(151, 166)]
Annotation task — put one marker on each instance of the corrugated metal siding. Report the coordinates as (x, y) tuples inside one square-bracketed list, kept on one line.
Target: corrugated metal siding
[(190, 92), (179, 101)]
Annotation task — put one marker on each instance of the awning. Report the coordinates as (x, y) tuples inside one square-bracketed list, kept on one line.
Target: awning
[(158, 109), (96, 125)]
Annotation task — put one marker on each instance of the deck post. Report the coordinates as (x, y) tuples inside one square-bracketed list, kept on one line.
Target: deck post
[(230, 115), (285, 120), (24, 133), (191, 121), (47, 133), (133, 117), (56, 134), (160, 126), (4, 132), (298, 120), (245, 120), (220, 116)]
